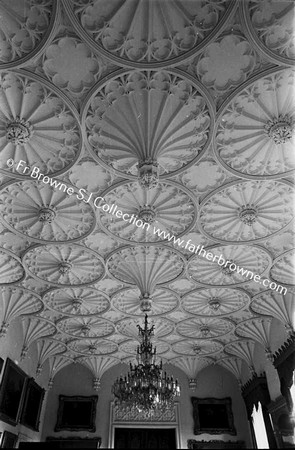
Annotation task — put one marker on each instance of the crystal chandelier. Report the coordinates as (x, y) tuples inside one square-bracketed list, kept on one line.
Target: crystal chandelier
[(146, 387)]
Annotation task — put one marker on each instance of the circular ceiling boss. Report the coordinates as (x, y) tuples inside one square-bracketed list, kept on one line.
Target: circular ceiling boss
[(64, 265), (148, 124), (38, 126), (130, 301), (145, 267), (215, 302), (168, 207), (228, 265), (143, 33), (85, 301), (247, 211), (254, 135), (42, 213)]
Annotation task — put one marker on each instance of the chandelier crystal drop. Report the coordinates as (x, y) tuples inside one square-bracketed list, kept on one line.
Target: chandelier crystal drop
[(146, 387)]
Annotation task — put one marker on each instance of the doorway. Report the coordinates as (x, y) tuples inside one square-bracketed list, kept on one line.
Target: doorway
[(145, 438)]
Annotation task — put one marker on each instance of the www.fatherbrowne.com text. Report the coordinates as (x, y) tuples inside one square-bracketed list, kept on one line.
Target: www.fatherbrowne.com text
[(99, 203)]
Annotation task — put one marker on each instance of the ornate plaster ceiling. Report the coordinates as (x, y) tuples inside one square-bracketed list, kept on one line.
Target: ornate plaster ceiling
[(181, 113)]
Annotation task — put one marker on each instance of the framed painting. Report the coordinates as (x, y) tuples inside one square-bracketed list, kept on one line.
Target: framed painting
[(12, 392), (76, 413), (9, 440), (213, 416), (32, 405)]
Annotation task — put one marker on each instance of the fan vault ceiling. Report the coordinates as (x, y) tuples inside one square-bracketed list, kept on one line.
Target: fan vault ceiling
[(202, 92)]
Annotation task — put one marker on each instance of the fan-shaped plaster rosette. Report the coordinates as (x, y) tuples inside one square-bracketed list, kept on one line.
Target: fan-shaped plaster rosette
[(16, 301), (128, 326), (98, 366), (47, 348), (86, 327), (215, 302), (200, 348), (283, 269), (281, 306), (86, 301), (11, 269), (56, 363), (35, 328), (255, 129), (191, 366), (25, 27), (270, 27), (148, 123), (37, 126), (204, 328), (168, 207), (93, 347), (145, 267), (128, 301), (258, 329), (243, 349), (64, 265), (234, 365), (248, 211), (42, 213), (144, 34), (208, 272)]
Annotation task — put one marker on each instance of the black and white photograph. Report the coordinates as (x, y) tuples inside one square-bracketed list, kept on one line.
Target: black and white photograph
[(147, 233)]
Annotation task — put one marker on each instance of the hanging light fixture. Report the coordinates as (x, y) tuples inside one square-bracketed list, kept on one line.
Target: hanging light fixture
[(146, 387)]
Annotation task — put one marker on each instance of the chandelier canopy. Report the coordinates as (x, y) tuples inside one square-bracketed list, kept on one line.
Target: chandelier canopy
[(146, 387)]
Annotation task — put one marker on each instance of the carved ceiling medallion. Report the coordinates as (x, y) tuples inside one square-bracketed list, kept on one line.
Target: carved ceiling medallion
[(148, 124), (85, 301), (131, 302), (42, 213), (230, 257), (241, 212), (64, 265), (145, 267), (255, 132), (169, 207), (200, 328), (197, 348), (215, 302), (37, 126)]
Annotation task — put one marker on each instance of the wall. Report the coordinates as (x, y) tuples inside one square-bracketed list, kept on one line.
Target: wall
[(11, 345), (213, 381)]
